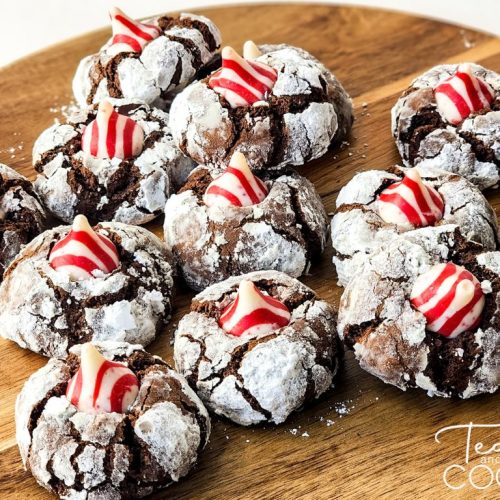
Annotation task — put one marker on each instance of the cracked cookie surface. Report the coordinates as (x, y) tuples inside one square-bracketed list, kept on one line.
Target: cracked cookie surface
[(284, 232), (258, 379), (42, 310), (471, 149), (358, 229), (389, 337), (305, 111), (107, 456), (185, 50), (22, 217), (133, 191)]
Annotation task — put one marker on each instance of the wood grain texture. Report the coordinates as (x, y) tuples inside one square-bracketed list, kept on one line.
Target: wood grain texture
[(383, 447)]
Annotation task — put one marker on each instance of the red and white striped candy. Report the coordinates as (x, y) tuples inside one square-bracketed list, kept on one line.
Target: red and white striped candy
[(462, 94), (129, 35), (243, 82), (450, 297), (112, 135), (410, 201), (236, 186), (253, 313), (101, 386), (83, 251)]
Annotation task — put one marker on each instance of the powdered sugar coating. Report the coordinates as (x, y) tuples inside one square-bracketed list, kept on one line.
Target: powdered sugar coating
[(389, 337), (358, 229), (284, 232), (471, 149), (130, 191), (165, 66), (258, 379), (42, 310), (307, 105), (110, 455), (22, 217)]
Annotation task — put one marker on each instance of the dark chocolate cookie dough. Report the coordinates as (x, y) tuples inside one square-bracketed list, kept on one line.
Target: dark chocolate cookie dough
[(22, 217), (424, 138), (43, 310), (108, 456), (185, 50), (261, 378), (305, 111), (389, 336), (133, 191), (285, 232)]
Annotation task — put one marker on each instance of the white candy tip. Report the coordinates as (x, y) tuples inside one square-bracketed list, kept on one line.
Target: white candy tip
[(90, 356), (245, 287), (81, 223), (116, 11), (229, 53), (249, 295), (105, 108), (465, 68), (239, 161), (250, 50), (414, 175)]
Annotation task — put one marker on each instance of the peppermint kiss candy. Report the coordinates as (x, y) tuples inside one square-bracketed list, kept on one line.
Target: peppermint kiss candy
[(462, 94), (236, 186), (101, 386), (112, 135), (242, 82), (129, 35), (83, 251), (253, 313), (450, 297), (410, 202)]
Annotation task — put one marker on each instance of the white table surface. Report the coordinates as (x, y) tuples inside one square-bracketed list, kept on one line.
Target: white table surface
[(30, 25)]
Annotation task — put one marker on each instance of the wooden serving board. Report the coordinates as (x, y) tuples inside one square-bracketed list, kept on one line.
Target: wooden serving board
[(364, 439)]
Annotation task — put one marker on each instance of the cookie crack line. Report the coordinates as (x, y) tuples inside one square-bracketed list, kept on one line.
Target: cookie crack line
[(251, 400)]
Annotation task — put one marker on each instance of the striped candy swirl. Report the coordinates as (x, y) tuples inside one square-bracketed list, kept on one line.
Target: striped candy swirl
[(129, 35), (462, 94), (101, 386), (243, 82), (83, 251), (253, 313), (450, 298), (237, 186), (411, 201), (112, 135)]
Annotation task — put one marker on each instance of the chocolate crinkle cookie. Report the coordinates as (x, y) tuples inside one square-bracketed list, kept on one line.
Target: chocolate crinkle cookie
[(109, 163), (150, 60), (258, 347), (283, 230), (377, 205), (449, 118), (77, 452), (73, 285), (278, 105), (424, 314), (22, 217)]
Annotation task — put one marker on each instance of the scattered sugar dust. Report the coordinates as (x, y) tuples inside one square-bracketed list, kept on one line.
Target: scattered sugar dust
[(66, 110), (15, 150), (339, 409)]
